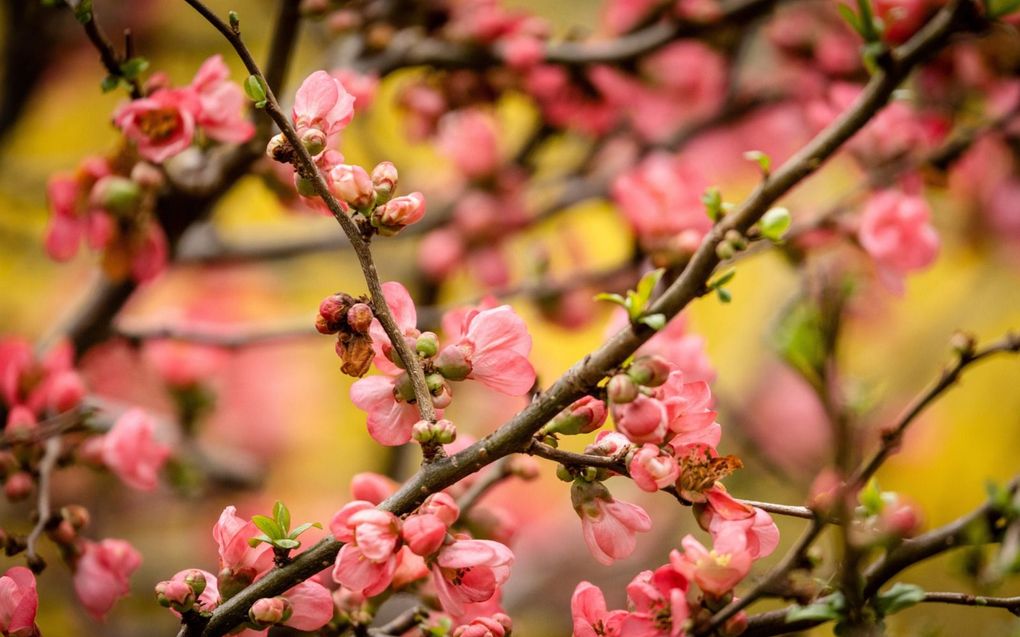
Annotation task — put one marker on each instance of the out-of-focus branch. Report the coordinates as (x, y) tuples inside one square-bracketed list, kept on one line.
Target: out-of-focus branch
[(46, 466), (495, 476), (1012, 604), (111, 60)]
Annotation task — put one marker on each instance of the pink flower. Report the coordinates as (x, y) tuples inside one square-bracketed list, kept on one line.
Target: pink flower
[(232, 534), (220, 103), (470, 571), (210, 597), (372, 487), (609, 526), (311, 604), (642, 420), (361, 86), (322, 103), (102, 572), (18, 602), (659, 603), (717, 571), (367, 561), (496, 626), (131, 451), (182, 364), (398, 213), (424, 534), (74, 217), (584, 416), (761, 533), (901, 18), (896, 233), (468, 137), (149, 258), (161, 125), (590, 615), (390, 420), (653, 469), (440, 253), (495, 345), (620, 16)]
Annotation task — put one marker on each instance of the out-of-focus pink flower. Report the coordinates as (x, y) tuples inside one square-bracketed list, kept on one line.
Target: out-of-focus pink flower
[(468, 137), (496, 626), (620, 16), (362, 86), (182, 364), (609, 526), (659, 603), (367, 561), (232, 534), (220, 103), (131, 451), (661, 199), (895, 231), (470, 571), (567, 105), (495, 344), (901, 18), (390, 420), (762, 535), (74, 217), (653, 469), (590, 614), (102, 573), (372, 487), (900, 517), (151, 255), (18, 602), (161, 125), (440, 253), (717, 571), (322, 103)]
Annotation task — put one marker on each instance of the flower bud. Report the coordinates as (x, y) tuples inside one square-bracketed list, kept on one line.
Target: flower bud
[(900, 518), (384, 178), (424, 534), (279, 149), (231, 581), (649, 371), (314, 141), (427, 345), (66, 392), (359, 318), (175, 595), (453, 363), (119, 195), (435, 382), (18, 486), (443, 506), (195, 579), (583, 416), (334, 310), (563, 473), (735, 239), (963, 344), (147, 175), (394, 215), (63, 533), (403, 390), (610, 443), (21, 424), (270, 610), (76, 515), (322, 326), (725, 250), (622, 389), (353, 185), (442, 431), (442, 398)]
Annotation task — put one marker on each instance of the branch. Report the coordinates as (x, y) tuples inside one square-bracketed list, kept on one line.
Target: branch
[(107, 55), (499, 473), (1012, 604), (46, 466), (516, 434), (1009, 344)]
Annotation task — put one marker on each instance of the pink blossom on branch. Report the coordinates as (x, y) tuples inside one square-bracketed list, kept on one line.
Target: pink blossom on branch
[(221, 103), (101, 574), (368, 560), (896, 233), (161, 125), (609, 526), (718, 570), (470, 571), (19, 602), (322, 103), (131, 451), (659, 603), (591, 617)]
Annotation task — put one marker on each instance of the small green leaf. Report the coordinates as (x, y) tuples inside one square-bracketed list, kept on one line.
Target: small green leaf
[(612, 298), (286, 543), (134, 67), (235, 21), (851, 18), (775, 223), (302, 528), (870, 498), (643, 293), (109, 83), (722, 280), (764, 161), (82, 11), (282, 516), (255, 89), (258, 539), (712, 199), (655, 321), (821, 611), (898, 597), (268, 526), (724, 295)]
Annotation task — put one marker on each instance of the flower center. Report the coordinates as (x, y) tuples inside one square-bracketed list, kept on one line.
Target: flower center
[(159, 123)]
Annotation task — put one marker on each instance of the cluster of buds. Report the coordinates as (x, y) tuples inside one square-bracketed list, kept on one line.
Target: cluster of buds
[(270, 611), (349, 318), (732, 243), (372, 197), (642, 375), (181, 594), (884, 517), (441, 432)]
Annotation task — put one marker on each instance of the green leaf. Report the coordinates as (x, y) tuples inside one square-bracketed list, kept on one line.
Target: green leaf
[(764, 161), (282, 516), (134, 67), (898, 597), (82, 11), (712, 199), (302, 528), (655, 321), (255, 89), (722, 280), (799, 340), (851, 18), (286, 543), (775, 223), (258, 539), (109, 83), (820, 611), (235, 21), (268, 526), (724, 295), (645, 287), (612, 298), (870, 498)]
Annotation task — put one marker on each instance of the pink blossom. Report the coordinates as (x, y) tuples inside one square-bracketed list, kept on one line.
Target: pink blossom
[(620, 16), (642, 420), (74, 217), (410, 569), (470, 571), (232, 534), (362, 86), (896, 232), (182, 364), (322, 103), (210, 597), (468, 137), (18, 602), (401, 306), (149, 259), (221, 103), (653, 469), (495, 343), (659, 603), (311, 604), (131, 451), (424, 534), (161, 125), (717, 571), (390, 420), (590, 615), (901, 18), (609, 526), (102, 572), (398, 213), (440, 253), (372, 487), (367, 561), (761, 533)]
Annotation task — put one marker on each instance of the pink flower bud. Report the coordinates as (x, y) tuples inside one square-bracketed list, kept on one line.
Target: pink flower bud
[(334, 310), (270, 610), (21, 424), (583, 416), (441, 505), (650, 371), (442, 397), (66, 392), (622, 389), (278, 148), (76, 515), (359, 318), (314, 141), (454, 363), (384, 178), (610, 443), (394, 215), (353, 185), (900, 517), (146, 175), (424, 534), (119, 195), (372, 487), (175, 594), (442, 431), (18, 486), (652, 469)]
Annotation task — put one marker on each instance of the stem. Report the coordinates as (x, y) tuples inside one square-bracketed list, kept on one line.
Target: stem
[(46, 466)]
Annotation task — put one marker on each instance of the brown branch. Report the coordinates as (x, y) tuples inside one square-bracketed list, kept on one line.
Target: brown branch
[(495, 476), (516, 434), (111, 60), (1012, 604), (46, 466)]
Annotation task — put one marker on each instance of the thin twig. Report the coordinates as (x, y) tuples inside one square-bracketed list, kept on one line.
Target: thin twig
[(499, 472), (46, 466), (107, 55)]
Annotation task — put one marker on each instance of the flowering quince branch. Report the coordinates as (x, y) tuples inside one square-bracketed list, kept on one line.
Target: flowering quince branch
[(113, 63), (46, 465), (1012, 604), (516, 435)]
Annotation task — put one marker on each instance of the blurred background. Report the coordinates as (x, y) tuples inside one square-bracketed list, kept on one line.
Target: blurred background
[(282, 415)]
